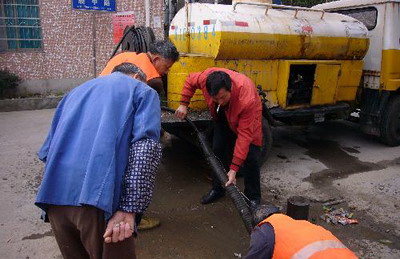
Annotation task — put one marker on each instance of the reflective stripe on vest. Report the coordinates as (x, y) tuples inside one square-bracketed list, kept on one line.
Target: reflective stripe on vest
[(318, 246)]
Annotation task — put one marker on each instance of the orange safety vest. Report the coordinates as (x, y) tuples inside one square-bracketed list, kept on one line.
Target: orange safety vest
[(141, 60), (299, 239)]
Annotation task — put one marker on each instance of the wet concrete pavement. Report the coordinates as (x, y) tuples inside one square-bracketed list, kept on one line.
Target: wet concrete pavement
[(325, 162), (189, 229), (334, 161)]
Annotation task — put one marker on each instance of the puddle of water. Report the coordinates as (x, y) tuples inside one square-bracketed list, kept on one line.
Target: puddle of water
[(189, 229), (338, 162)]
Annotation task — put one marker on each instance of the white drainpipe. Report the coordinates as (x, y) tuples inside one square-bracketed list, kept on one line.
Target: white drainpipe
[(147, 12)]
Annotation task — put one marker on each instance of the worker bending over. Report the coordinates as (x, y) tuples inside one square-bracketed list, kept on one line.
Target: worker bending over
[(235, 107), (102, 153)]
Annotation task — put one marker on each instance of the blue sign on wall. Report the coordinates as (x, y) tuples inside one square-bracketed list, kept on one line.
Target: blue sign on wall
[(94, 5)]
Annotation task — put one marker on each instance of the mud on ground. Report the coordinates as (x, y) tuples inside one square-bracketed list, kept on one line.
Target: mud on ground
[(322, 163)]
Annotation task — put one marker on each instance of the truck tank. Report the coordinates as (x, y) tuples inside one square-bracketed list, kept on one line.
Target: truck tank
[(258, 31)]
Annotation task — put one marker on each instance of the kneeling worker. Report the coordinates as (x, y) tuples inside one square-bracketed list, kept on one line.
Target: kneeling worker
[(280, 236), (235, 106)]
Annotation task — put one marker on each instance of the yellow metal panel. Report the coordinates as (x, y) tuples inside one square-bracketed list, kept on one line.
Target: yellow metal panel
[(390, 73), (349, 80), (346, 94), (350, 73), (284, 72), (198, 42), (325, 84), (246, 45), (282, 87), (273, 76), (264, 73), (176, 78), (261, 72), (180, 42)]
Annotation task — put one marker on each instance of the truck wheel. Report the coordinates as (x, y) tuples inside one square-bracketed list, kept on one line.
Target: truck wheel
[(267, 140), (390, 124)]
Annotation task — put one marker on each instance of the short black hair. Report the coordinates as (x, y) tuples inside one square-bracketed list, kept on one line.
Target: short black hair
[(264, 211), (165, 49), (130, 69), (218, 80)]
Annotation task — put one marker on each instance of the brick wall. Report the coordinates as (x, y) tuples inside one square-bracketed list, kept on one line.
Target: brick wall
[(68, 41)]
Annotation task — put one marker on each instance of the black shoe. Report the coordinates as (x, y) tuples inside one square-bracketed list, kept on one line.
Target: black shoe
[(211, 196)]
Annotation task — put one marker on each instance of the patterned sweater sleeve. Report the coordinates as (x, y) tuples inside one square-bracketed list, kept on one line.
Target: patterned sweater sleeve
[(139, 179)]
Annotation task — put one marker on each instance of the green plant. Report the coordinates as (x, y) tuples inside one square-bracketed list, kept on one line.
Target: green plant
[(8, 83)]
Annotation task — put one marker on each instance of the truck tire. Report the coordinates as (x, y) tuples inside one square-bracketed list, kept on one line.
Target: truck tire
[(267, 140), (390, 123)]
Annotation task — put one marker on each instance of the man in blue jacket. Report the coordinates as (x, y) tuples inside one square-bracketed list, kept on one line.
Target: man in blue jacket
[(101, 156)]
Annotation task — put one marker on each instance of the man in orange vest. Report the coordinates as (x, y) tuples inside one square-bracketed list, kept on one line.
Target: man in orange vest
[(278, 236), (155, 63)]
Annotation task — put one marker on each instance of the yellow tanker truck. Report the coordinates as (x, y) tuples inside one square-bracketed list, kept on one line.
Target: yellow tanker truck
[(313, 64)]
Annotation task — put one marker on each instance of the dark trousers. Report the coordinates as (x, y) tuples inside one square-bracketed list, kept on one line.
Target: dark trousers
[(223, 145), (138, 218), (79, 233)]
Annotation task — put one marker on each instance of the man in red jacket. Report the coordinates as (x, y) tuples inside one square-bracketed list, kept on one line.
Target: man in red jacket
[(235, 106)]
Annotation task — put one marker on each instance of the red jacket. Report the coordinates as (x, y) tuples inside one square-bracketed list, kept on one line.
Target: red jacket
[(243, 112)]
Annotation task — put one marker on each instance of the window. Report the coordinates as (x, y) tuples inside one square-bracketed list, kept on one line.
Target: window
[(20, 25), (368, 16)]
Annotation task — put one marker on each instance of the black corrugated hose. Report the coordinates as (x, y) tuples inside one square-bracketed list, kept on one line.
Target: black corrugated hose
[(137, 39), (122, 39), (233, 191)]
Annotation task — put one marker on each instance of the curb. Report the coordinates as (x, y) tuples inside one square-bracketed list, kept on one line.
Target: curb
[(24, 104)]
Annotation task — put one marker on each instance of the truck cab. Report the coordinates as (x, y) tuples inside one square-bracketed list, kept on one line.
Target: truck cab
[(378, 97)]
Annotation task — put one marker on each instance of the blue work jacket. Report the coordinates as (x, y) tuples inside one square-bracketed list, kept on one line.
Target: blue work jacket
[(86, 150)]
